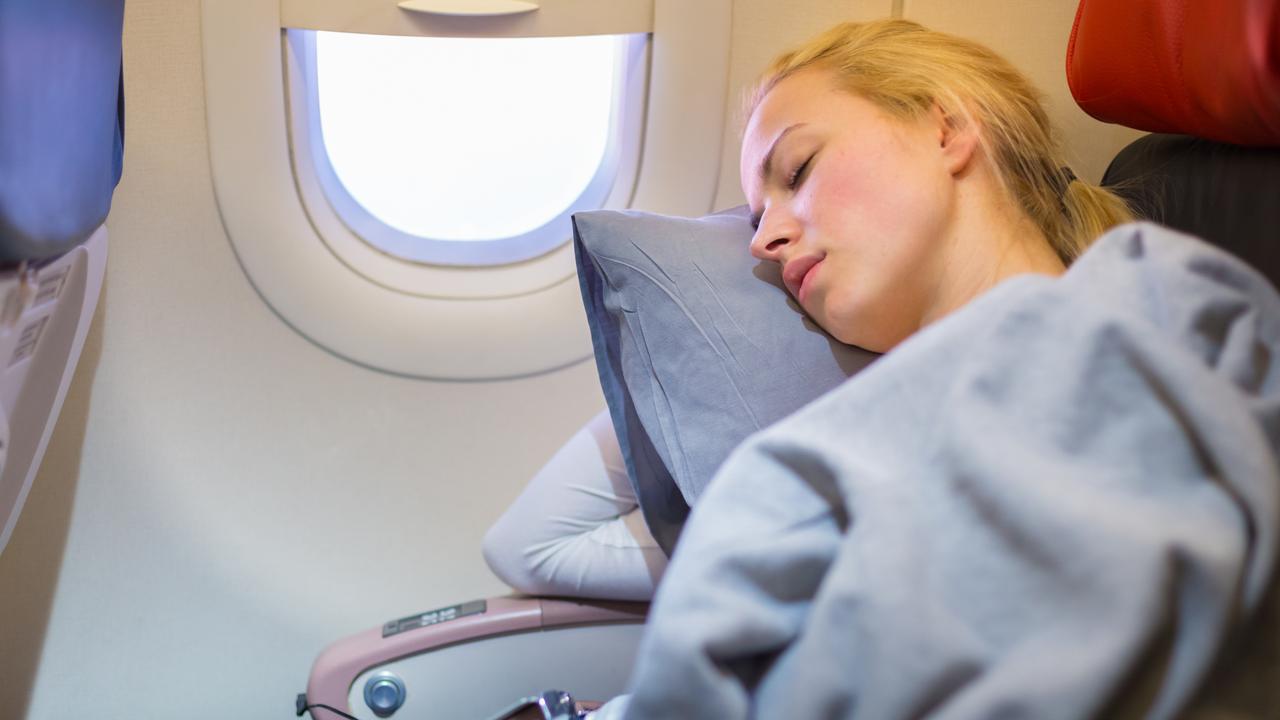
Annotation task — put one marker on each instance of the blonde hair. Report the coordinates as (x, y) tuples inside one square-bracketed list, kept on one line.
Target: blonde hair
[(905, 69)]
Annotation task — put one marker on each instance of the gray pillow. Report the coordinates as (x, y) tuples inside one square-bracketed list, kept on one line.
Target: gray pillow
[(697, 344)]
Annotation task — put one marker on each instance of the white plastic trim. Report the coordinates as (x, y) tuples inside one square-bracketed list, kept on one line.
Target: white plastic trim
[(554, 17), (484, 8), (33, 394), (391, 329)]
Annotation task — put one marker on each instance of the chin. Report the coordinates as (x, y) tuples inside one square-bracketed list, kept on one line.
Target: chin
[(854, 329), (869, 344), (851, 333), (869, 335), (864, 322)]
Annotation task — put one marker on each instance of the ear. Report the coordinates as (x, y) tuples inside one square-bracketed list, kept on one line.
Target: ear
[(957, 139)]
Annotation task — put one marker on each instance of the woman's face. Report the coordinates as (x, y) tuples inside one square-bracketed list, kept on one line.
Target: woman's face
[(856, 207)]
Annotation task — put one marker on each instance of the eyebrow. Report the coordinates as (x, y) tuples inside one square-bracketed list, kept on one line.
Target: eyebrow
[(767, 166)]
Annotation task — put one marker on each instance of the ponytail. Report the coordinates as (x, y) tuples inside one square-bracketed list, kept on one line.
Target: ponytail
[(1087, 212)]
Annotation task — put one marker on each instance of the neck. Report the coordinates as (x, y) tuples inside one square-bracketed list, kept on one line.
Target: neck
[(990, 240)]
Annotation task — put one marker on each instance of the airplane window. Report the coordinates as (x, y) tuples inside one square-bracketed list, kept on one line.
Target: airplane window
[(466, 151)]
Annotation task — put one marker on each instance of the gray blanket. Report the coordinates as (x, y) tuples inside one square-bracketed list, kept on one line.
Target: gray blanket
[(1058, 502)]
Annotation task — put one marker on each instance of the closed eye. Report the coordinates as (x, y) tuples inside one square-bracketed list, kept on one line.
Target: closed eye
[(794, 179)]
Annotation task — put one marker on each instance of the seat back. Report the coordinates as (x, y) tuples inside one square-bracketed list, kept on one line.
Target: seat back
[(1226, 194), (61, 149), (1205, 77)]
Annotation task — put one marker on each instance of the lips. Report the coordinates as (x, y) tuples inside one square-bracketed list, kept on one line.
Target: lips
[(796, 271)]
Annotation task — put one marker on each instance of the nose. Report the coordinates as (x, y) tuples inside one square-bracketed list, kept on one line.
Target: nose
[(773, 236)]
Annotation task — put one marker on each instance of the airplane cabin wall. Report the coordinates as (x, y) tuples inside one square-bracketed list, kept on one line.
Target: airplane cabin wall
[(222, 498)]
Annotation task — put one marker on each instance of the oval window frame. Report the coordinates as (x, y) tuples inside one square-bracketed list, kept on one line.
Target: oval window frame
[(458, 337), (373, 248)]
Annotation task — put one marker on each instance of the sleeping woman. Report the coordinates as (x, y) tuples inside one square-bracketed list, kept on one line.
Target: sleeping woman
[(881, 182), (1055, 496)]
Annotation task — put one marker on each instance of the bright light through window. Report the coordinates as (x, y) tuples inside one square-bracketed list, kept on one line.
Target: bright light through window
[(461, 138)]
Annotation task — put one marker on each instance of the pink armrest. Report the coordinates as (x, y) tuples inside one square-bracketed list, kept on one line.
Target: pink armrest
[(338, 666)]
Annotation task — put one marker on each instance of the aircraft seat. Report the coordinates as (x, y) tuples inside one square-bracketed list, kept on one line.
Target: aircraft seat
[(1204, 78), (61, 152)]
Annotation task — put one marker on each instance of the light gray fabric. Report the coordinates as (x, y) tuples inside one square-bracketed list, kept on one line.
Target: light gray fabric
[(1055, 503), (697, 347)]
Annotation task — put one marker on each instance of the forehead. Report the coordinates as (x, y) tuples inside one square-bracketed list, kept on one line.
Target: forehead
[(799, 98), (802, 91)]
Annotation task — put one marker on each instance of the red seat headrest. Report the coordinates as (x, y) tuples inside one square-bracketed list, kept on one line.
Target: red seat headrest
[(1209, 68)]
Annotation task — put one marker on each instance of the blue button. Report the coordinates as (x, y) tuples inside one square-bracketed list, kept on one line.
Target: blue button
[(384, 694)]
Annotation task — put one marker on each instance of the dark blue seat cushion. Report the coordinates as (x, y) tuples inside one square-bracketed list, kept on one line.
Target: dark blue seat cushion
[(61, 122), (1226, 194)]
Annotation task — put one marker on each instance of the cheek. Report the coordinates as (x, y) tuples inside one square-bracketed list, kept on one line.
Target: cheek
[(866, 195), (873, 287), (845, 180), (834, 204)]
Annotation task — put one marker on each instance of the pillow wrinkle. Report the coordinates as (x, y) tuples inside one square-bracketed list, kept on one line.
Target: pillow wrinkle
[(711, 288), (674, 452), (657, 266), (742, 369), (669, 415), (680, 304), (659, 402)]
